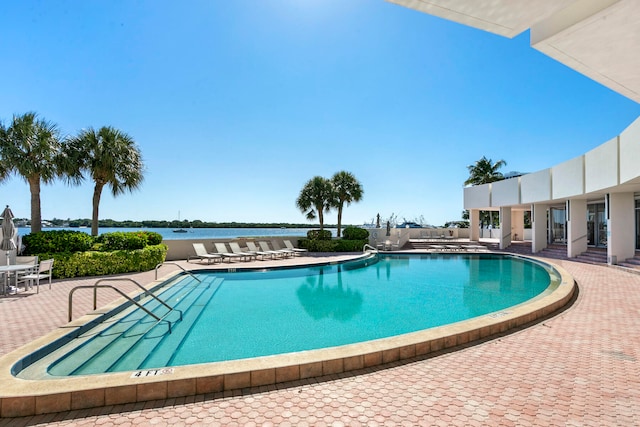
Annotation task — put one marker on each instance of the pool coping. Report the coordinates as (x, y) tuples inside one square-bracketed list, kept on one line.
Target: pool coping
[(20, 397)]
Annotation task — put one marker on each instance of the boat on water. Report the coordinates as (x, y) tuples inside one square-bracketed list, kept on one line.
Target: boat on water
[(409, 225), (179, 230)]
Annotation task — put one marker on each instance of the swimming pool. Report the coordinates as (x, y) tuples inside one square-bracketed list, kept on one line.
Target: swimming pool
[(240, 315), (40, 393)]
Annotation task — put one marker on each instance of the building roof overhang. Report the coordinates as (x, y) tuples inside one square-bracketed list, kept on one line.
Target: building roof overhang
[(600, 39)]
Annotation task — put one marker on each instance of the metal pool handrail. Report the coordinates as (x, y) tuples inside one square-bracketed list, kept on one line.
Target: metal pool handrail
[(178, 265), (366, 245), (105, 286), (96, 285)]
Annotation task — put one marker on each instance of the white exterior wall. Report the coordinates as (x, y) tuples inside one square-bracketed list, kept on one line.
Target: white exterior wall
[(478, 196), (601, 166), (517, 225), (538, 227), (630, 152), (536, 187), (568, 178), (620, 227), (576, 227), (505, 192)]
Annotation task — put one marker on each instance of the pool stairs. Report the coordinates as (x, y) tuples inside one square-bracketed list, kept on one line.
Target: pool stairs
[(129, 341)]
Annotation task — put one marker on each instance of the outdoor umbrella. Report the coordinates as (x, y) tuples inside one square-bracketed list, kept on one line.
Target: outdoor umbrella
[(8, 232)]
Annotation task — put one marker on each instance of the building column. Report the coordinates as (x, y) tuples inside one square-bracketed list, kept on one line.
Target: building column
[(621, 225), (539, 233), (505, 227), (576, 227), (474, 223)]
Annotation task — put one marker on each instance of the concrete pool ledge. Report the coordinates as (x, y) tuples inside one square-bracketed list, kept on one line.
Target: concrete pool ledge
[(20, 397)]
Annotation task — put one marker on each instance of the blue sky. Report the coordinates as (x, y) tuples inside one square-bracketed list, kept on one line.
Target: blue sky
[(235, 105)]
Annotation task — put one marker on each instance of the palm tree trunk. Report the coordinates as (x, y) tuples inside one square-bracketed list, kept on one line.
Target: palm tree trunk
[(36, 216), (321, 218), (339, 218), (97, 192)]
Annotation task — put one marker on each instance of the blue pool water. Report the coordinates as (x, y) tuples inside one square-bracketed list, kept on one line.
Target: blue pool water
[(240, 315)]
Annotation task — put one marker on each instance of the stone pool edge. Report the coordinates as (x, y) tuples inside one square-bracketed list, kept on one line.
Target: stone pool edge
[(20, 397)]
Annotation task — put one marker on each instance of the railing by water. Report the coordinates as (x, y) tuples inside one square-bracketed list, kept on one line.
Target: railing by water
[(97, 285), (177, 265)]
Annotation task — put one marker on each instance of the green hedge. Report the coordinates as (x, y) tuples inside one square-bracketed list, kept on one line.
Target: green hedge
[(319, 235), (355, 233), (119, 240), (57, 241), (95, 263), (338, 245)]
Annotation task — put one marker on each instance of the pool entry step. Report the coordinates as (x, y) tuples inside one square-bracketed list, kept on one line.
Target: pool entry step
[(132, 339)]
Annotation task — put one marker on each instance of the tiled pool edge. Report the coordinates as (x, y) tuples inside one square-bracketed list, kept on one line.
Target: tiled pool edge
[(25, 397)]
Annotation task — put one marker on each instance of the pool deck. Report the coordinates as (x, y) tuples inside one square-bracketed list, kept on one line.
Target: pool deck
[(579, 367)]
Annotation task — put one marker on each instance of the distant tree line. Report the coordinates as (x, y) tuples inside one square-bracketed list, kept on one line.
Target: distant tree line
[(86, 222)]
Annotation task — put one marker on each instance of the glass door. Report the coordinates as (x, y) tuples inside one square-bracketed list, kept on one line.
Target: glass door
[(557, 229), (596, 225)]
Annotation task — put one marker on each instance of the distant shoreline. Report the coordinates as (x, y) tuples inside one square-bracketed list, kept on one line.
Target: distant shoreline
[(226, 225), (168, 233)]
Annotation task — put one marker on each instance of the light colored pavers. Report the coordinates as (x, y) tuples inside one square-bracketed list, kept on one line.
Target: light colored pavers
[(577, 368)]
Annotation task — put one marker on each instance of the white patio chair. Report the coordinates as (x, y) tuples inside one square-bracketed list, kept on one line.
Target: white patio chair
[(26, 260), (45, 270)]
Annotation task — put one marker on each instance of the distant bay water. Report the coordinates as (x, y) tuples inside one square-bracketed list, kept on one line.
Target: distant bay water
[(195, 233)]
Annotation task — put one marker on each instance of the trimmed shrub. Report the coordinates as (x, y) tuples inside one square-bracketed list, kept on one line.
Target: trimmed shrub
[(319, 234), (350, 245), (152, 237), (93, 263), (120, 240), (317, 245), (57, 241), (339, 245), (355, 233)]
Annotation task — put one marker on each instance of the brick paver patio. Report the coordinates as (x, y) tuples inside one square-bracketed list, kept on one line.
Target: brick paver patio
[(578, 368)]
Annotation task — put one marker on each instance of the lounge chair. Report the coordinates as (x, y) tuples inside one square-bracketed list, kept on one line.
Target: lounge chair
[(201, 253), (253, 248), (221, 248), (286, 252), (289, 245), (265, 248), (235, 248)]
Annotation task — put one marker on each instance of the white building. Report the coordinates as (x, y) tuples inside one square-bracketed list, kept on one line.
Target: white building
[(593, 199)]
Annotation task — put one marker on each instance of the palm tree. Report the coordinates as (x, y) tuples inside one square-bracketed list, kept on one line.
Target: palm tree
[(348, 189), (111, 157), (30, 147), (485, 171), (316, 198)]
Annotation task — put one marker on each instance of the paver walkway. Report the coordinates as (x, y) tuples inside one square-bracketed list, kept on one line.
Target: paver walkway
[(579, 368)]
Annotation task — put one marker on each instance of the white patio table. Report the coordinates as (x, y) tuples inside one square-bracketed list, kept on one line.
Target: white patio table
[(13, 268)]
